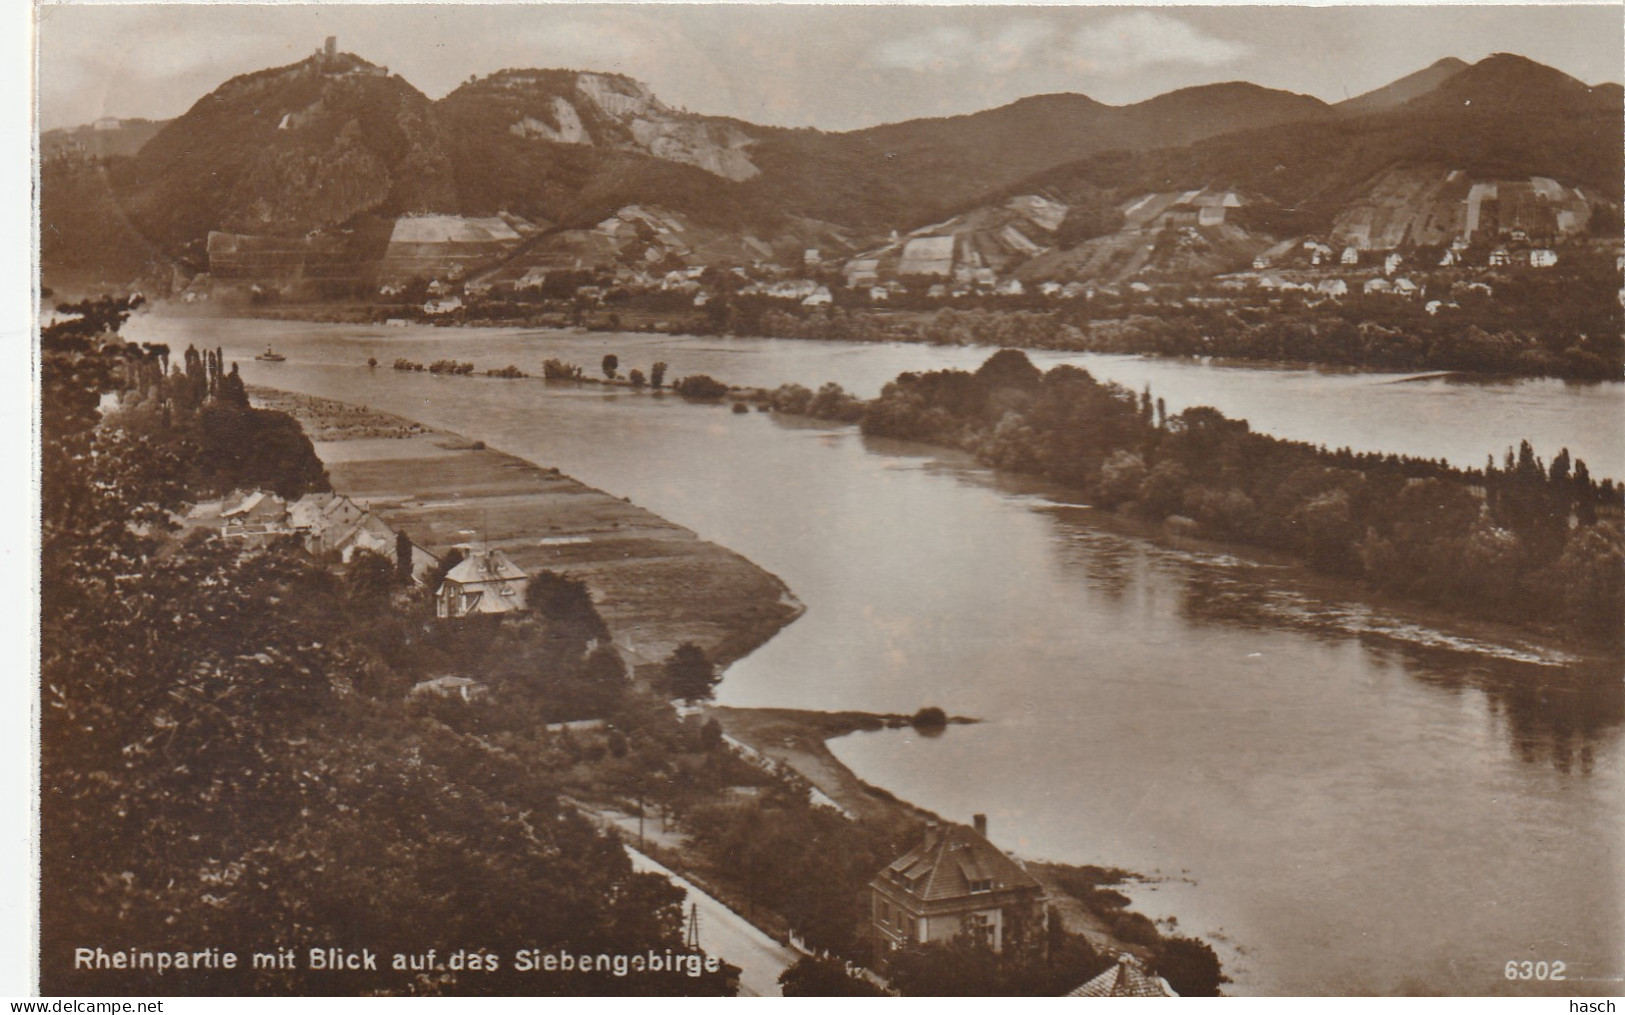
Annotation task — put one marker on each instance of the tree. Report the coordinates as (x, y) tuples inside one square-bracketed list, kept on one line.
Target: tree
[(226, 749), (567, 605), (611, 363), (701, 386), (689, 673), (403, 558), (1009, 368), (930, 717), (1190, 967), (603, 674), (1559, 473), (637, 378), (657, 374), (370, 575), (437, 576), (1121, 477)]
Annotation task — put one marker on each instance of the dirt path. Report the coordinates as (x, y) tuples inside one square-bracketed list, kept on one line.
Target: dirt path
[(727, 935)]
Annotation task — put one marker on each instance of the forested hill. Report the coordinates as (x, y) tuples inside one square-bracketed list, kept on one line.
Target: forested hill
[(904, 174), (286, 151), (1505, 117)]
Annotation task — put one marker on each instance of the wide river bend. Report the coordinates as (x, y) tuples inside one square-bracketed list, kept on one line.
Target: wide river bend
[(1345, 798)]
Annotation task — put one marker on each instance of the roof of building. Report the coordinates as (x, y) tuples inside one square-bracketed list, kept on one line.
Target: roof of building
[(486, 566), (1126, 979), (249, 503), (945, 863)]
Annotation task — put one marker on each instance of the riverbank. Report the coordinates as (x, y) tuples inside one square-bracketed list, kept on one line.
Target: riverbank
[(1424, 343), (656, 584), (799, 739)]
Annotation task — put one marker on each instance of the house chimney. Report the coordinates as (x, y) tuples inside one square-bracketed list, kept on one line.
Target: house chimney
[(980, 821)]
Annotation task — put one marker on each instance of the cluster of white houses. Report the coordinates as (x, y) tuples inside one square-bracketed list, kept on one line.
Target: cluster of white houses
[(332, 528)]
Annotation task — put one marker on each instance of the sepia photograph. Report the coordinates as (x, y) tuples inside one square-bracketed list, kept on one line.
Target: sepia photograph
[(893, 500)]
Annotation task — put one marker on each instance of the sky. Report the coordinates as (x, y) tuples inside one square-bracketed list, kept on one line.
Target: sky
[(836, 68)]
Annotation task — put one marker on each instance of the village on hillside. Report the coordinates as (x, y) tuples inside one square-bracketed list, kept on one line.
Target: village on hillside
[(1171, 248)]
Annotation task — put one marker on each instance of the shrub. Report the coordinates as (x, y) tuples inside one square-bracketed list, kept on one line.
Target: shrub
[(1190, 967), (930, 717), (1134, 928), (701, 386), (558, 370), (791, 398), (833, 402)]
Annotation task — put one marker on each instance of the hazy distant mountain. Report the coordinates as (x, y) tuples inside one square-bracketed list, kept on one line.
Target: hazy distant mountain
[(900, 174), (106, 137), (544, 139), (1405, 89)]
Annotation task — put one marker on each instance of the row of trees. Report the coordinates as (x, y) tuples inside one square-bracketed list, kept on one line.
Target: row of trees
[(1521, 540)]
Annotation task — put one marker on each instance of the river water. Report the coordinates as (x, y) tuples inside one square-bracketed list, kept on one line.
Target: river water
[(1343, 798)]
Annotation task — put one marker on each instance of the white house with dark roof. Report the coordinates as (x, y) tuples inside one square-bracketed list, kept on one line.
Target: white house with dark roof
[(955, 881), (486, 581)]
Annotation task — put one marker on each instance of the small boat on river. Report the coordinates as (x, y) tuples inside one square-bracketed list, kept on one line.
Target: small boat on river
[(268, 356)]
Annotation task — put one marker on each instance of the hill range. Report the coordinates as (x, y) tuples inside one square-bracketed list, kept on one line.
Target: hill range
[(335, 177)]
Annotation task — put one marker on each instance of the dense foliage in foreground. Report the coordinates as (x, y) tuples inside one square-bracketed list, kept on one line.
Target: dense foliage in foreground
[(229, 757), (1520, 540)]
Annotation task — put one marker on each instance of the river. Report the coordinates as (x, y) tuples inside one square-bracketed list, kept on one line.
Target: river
[(1343, 798)]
